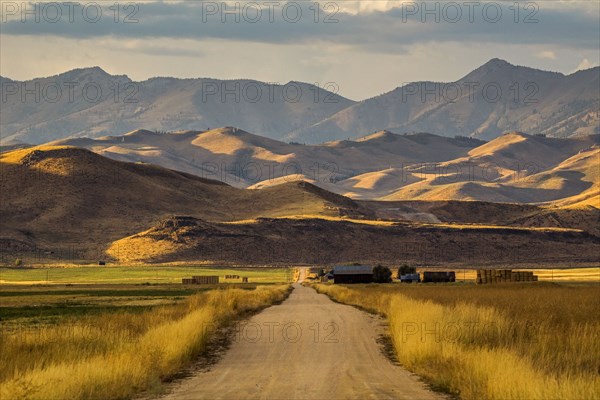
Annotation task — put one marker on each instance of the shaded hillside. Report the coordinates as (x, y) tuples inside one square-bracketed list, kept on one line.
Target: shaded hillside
[(478, 212), (65, 197), (319, 241)]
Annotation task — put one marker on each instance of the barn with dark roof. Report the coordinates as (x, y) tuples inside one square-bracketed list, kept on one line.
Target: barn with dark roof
[(352, 274)]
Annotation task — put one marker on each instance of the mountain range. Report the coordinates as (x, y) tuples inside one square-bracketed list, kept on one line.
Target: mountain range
[(493, 99)]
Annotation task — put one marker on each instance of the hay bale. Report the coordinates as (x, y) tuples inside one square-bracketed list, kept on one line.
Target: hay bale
[(205, 280), (486, 276)]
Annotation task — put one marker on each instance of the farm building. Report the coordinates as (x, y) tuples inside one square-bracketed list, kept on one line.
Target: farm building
[(439, 276), (352, 274)]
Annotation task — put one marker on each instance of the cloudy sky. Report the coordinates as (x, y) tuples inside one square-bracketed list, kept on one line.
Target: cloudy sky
[(365, 47)]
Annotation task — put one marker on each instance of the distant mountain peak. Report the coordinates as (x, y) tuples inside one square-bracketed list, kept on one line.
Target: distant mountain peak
[(497, 68), (493, 66), (92, 70), (94, 73), (498, 62)]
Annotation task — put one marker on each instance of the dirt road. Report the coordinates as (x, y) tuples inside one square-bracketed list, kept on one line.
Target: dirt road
[(306, 348)]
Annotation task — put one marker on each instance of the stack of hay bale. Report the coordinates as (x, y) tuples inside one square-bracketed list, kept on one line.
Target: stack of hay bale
[(200, 280), (489, 276)]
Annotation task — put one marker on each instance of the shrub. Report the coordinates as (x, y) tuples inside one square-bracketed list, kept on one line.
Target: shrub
[(382, 274), (406, 269)]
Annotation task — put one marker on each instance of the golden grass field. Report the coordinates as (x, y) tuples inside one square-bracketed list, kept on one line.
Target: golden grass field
[(557, 275), (117, 353), (514, 341)]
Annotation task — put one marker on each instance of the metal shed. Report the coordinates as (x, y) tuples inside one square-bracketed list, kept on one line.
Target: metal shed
[(439, 276)]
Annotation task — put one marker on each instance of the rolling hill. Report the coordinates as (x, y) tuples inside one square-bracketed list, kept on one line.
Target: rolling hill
[(584, 217), (322, 241), (515, 167), (72, 205), (243, 159), (60, 198)]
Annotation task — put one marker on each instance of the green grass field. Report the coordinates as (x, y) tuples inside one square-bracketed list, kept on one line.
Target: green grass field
[(41, 304), (133, 275), (49, 295)]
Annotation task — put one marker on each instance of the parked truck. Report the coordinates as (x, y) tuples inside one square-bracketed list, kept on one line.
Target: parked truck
[(410, 278)]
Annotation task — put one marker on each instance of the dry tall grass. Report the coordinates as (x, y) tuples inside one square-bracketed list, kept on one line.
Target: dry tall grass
[(117, 355), (492, 343)]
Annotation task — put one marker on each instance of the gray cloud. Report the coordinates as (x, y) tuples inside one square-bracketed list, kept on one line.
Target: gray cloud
[(379, 31)]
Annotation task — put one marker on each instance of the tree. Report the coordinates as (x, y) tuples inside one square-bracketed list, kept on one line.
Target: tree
[(406, 269), (18, 262), (382, 274)]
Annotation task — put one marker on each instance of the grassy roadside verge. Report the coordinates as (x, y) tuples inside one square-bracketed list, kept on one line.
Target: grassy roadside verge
[(116, 355), (504, 343)]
